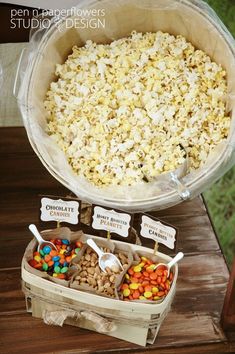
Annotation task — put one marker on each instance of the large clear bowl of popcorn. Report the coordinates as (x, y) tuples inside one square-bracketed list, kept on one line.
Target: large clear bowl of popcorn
[(131, 104)]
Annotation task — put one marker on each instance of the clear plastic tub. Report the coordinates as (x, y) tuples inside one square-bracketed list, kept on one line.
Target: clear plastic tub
[(194, 20)]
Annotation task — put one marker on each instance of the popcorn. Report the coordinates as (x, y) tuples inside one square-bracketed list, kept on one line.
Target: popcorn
[(120, 111)]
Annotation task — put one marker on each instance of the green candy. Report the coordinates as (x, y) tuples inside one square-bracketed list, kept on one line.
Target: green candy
[(64, 269), (45, 266), (57, 269), (42, 253), (77, 250)]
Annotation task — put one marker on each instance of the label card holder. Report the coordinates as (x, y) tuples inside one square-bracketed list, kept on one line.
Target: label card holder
[(115, 222), (60, 209), (158, 231)]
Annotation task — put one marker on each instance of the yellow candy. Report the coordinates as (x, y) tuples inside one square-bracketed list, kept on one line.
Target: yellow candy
[(142, 298), (126, 292), (141, 264), (62, 251), (148, 294), (37, 258), (152, 266), (137, 269), (155, 290), (74, 255), (156, 298), (134, 286), (55, 275), (144, 259), (127, 276)]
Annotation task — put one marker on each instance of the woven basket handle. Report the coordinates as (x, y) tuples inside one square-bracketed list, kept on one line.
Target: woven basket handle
[(57, 318)]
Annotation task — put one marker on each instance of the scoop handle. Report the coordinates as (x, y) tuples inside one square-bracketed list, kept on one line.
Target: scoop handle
[(36, 233), (94, 246), (176, 259)]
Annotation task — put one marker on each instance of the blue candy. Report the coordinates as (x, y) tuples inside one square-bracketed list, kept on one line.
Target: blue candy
[(65, 242), (56, 258), (46, 249), (56, 264), (65, 264)]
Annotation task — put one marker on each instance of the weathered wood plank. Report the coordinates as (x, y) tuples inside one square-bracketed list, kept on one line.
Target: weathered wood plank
[(47, 339), (196, 235), (12, 298), (194, 317)]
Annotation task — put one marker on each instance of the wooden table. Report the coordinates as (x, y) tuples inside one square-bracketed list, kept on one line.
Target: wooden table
[(192, 326)]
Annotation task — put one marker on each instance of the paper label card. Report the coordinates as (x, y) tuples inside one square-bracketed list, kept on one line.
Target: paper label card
[(157, 231), (60, 210), (111, 220)]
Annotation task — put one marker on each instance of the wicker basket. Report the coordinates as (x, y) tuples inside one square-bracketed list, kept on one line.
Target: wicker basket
[(131, 321)]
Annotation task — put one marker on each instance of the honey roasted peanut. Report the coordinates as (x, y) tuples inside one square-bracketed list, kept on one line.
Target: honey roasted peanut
[(91, 274)]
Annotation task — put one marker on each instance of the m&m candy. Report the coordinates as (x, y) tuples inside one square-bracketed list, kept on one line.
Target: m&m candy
[(46, 249), (56, 263)]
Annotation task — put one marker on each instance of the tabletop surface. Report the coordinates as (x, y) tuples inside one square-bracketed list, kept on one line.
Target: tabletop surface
[(193, 324)]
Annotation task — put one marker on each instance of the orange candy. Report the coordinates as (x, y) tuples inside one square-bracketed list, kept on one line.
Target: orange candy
[(153, 276), (141, 289), (145, 282), (53, 253), (159, 280), (38, 266), (167, 286), (136, 294), (124, 286), (131, 271), (142, 281), (149, 270), (138, 275), (161, 293), (47, 258), (153, 282), (134, 280), (61, 276), (79, 244), (148, 288)]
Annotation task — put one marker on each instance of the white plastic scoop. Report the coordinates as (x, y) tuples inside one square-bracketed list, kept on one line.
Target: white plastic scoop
[(106, 260), (39, 238), (163, 266)]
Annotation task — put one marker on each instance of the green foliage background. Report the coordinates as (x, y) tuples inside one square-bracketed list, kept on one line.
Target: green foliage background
[(220, 197)]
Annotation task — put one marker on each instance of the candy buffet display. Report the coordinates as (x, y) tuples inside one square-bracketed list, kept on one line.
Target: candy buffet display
[(139, 278)]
